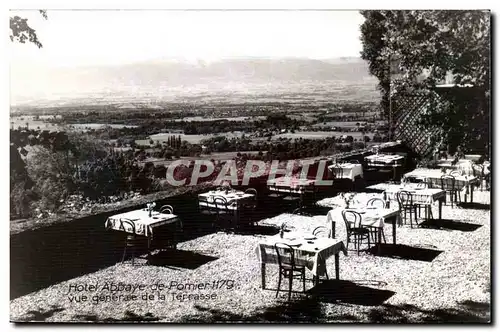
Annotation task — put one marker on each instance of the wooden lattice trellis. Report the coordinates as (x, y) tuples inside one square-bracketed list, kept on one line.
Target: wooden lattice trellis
[(407, 111)]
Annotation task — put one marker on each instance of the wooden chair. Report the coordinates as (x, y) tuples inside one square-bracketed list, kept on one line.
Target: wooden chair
[(294, 199), (274, 193), (131, 239), (251, 191), (405, 202), (223, 211), (378, 203), (322, 231), (288, 268), (207, 208), (337, 171), (448, 184), (352, 220), (249, 205), (167, 209)]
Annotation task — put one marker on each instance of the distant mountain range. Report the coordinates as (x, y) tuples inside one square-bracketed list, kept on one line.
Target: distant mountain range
[(167, 79)]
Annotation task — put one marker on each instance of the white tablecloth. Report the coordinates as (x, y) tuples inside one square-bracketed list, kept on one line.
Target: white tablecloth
[(422, 196), (290, 184), (433, 178), (373, 217), (359, 199), (384, 159), (233, 197), (312, 255), (346, 170), (143, 223)]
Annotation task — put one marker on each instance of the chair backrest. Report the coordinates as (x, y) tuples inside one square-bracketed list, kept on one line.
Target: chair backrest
[(322, 231), (353, 161), (447, 182), (167, 209), (251, 191), (310, 189), (285, 254), (405, 198), (127, 225), (220, 203), (352, 219), (337, 170), (377, 202)]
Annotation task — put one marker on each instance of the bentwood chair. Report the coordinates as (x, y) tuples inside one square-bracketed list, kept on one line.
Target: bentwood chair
[(406, 205), (448, 184), (378, 203), (208, 209), (131, 239), (249, 205), (322, 231), (224, 214), (167, 209), (288, 267), (355, 230)]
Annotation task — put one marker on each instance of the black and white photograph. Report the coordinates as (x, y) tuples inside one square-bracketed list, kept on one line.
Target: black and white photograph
[(250, 166)]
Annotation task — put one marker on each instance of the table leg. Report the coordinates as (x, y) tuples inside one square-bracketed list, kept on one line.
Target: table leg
[(149, 247), (379, 245), (471, 193), (263, 274), (333, 229), (394, 230), (440, 208), (337, 267)]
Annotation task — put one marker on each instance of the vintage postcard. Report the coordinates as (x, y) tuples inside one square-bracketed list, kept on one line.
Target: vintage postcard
[(222, 166)]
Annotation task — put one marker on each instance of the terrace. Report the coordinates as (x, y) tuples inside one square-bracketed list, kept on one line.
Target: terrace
[(438, 272)]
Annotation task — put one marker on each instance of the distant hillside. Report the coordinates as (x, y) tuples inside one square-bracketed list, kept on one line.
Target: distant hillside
[(168, 79)]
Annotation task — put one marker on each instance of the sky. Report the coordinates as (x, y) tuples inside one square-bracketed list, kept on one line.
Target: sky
[(107, 37)]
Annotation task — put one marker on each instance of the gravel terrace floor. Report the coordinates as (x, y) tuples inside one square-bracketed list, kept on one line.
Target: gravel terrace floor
[(436, 274)]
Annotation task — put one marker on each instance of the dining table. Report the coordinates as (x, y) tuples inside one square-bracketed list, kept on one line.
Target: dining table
[(374, 217), (420, 195), (309, 251), (145, 223), (236, 200), (384, 160), (347, 170), (290, 184), (433, 176)]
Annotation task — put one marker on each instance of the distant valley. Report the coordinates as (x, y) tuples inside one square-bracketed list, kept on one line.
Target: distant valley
[(167, 80)]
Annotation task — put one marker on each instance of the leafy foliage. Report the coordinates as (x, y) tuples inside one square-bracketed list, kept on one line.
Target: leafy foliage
[(429, 46), (21, 31)]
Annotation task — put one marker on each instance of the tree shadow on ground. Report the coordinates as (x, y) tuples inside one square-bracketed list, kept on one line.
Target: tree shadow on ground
[(464, 312), (180, 258), (401, 251), (452, 225), (343, 291), (310, 310), (475, 206), (39, 316), (253, 230)]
